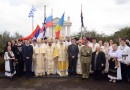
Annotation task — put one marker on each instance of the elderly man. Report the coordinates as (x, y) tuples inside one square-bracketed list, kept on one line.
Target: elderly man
[(27, 52), (61, 52), (49, 58)]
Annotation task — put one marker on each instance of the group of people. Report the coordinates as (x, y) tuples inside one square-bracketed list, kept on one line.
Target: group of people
[(68, 57)]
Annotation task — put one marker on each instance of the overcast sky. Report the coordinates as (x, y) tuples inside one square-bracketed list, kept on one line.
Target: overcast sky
[(105, 16)]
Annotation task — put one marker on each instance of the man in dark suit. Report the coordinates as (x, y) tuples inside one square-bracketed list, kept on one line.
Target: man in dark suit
[(98, 63), (72, 57), (19, 57), (27, 52)]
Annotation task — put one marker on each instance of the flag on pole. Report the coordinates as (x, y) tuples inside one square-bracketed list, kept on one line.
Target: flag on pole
[(82, 23), (49, 22), (31, 13), (59, 26), (32, 35), (44, 27), (37, 33)]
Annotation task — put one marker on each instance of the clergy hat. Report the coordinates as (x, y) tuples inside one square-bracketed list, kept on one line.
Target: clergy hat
[(45, 38), (61, 38), (49, 39), (38, 40)]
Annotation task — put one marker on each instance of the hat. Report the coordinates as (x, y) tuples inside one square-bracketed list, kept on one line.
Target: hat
[(45, 38), (61, 38), (38, 40), (49, 39)]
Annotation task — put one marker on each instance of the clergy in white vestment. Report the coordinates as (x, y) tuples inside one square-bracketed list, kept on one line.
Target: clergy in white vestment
[(55, 44), (61, 52), (34, 45), (49, 57), (44, 44), (39, 55), (78, 69)]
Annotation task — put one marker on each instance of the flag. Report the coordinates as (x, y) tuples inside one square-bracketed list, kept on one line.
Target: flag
[(82, 23), (32, 34), (49, 22), (37, 33), (44, 27), (41, 33), (59, 26), (31, 13)]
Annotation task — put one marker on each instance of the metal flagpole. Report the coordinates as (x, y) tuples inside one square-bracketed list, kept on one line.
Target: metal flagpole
[(81, 22), (52, 21), (44, 11), (44, 17), (32, 21), (32, 24)]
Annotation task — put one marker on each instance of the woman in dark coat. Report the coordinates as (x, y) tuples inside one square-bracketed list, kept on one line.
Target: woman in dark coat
[(98, 63)]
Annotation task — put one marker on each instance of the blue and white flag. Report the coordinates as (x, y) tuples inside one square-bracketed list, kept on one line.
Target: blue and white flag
[(31, 13)]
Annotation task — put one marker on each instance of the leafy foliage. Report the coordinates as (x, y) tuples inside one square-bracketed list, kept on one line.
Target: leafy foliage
[(5, 36), (122, 33)]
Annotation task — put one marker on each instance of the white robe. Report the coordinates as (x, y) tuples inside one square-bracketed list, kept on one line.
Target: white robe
[(79, 70), (33, 62), (49, 62), (39, 56), (7, 64)]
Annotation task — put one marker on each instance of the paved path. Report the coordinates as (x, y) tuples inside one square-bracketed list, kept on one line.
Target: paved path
[(60, 84)]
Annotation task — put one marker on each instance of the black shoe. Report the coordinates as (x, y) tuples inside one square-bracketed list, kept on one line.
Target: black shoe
[(27, 76), (87, 78), (11, 78), (83, 78), (45, 73)]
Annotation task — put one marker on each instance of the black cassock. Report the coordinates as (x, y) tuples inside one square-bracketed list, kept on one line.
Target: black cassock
[(72, 51), (27, 51), (20, 65)]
